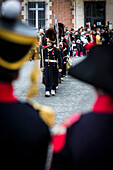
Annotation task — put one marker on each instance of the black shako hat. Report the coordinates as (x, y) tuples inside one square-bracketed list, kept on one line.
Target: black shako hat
[(97, 68), (16, 38)]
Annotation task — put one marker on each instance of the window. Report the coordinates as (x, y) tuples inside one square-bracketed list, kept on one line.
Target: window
[(94, 12), (36, 14)]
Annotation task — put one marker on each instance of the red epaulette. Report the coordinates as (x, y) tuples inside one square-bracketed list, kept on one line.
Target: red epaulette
[(65, 44), (61, 47), (60, 132), (44, 47)]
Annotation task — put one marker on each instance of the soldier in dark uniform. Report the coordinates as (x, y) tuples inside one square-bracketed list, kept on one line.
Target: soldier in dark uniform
[(85, 141), (62, 55), (64, 49), (61, 35), (52, 60), (66, 53), (24, 135)]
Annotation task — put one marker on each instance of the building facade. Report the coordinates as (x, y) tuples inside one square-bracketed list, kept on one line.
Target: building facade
[(72, 13), (40, 13), (93, 11)]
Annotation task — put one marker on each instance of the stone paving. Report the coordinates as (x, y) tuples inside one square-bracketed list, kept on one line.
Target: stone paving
[(71, 97)]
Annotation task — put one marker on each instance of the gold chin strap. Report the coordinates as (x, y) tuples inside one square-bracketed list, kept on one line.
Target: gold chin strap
[(48, 40)]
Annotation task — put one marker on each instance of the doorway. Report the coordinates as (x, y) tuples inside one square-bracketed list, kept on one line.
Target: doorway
[(94, 12)]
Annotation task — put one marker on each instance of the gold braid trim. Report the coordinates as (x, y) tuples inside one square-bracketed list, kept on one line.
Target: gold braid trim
[(35, 50), (34, 87), (16, 37), (57, 48), (46, 113), (16, 65)]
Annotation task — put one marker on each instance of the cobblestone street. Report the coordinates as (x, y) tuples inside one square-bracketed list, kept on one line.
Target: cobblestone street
[(72, 95)]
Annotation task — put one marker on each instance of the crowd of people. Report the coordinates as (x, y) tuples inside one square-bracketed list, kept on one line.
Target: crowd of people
[(84, 140), (73, 43), (81, 40)]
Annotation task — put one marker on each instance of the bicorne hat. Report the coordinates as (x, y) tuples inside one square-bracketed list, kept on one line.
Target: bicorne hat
[(97, 68), (16, 38)]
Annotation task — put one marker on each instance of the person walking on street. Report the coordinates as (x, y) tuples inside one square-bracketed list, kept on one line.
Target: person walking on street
[(52, 60)]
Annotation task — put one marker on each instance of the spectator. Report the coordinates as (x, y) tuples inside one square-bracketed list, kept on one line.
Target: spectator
[(98, 38), (94, 27)]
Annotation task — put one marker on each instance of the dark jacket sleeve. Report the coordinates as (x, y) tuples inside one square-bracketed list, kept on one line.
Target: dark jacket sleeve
[(59, 59), (68, 49), (59, 163), (60, 159), (42, 58)]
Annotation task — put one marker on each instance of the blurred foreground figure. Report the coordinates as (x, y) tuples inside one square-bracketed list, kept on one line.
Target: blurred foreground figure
[(24, 130), (85, 141)]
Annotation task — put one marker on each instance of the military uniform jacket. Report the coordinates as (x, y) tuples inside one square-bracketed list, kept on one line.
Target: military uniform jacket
[(24, 136), (52, 61), (85, 141), (65, 52), (65, 48)]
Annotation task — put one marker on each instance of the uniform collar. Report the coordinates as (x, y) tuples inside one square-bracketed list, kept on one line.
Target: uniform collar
[(6, 93), (49, 49), (103, 104)]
